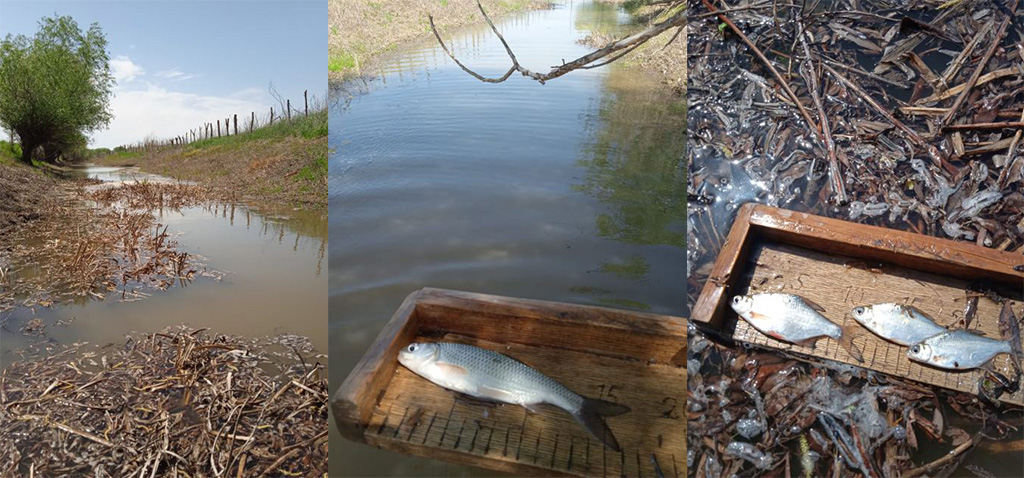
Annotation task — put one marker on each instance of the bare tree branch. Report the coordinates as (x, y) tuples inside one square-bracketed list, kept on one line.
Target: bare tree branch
[(616, 50)]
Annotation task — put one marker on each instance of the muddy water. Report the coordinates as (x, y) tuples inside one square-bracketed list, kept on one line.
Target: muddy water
[(275, 279), (569, 191)]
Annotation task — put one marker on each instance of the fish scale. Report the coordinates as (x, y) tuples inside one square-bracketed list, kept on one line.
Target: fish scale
[(486, 374), (499, 371)]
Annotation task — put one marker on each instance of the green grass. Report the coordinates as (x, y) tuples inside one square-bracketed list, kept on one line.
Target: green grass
[(10, 153), (313, 171), (342, 61), (309, 127)]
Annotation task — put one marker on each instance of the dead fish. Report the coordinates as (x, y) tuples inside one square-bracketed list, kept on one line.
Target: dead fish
[(958, 350), (791, 318), (902, 324), (488, 375)]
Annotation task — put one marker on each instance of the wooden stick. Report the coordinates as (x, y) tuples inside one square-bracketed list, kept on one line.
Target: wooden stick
[(933, 152), (768, 64), (835, 177), (984, 126), (977, 71)]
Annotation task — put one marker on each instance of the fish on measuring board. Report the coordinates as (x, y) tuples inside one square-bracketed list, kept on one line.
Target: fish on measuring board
[(791, 318), (901, 324), (488, 375), (958, 349)]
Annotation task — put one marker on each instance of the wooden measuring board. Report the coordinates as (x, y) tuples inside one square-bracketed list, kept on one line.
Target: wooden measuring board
[(416, 413), (830, 282), (841, 265), (631, 358)]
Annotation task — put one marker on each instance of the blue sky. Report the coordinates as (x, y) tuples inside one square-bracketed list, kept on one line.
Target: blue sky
[(180, 64)]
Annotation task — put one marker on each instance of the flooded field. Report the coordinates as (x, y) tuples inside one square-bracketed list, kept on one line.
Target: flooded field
[(892, 97), (269, 278), (569, 191)]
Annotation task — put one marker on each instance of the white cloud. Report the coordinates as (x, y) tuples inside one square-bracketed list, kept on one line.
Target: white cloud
[(162, 113), (124, 69), (175, 74)]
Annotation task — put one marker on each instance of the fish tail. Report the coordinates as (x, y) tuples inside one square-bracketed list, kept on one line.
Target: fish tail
[(589, 415), (849, 332)]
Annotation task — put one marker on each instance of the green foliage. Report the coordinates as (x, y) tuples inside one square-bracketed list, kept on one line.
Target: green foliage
[(341, 61), (309, 127), (9, 152), (316, 170), (55, 86)]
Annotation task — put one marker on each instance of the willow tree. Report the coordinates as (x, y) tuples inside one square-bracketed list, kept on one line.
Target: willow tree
[(54, 87)]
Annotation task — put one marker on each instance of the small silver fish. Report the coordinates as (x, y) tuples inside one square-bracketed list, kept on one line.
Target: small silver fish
[(958, 350), (488, 375), (902, 324), (791, 318)]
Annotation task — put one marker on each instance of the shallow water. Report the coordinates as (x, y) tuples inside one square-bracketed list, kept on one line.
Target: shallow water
[(569, 191), (275, 279)]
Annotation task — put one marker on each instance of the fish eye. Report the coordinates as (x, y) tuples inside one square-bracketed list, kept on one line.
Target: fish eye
[(858, 311), (915, 349), (412, 347)]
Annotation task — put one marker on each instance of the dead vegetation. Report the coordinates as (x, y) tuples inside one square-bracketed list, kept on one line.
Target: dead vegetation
[(25, 195), (897, 113), (115, 247), (177, 403)]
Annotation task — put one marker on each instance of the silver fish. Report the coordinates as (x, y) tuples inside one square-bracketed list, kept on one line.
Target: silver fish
[(902, 324), (791, 318), (957, 350), (488, 375)]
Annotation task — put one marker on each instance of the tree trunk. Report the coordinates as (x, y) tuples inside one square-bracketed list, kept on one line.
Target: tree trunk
[(26, 152)]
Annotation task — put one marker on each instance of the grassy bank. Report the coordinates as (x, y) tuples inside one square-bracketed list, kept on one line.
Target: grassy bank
[(663, 56), (361, 30), (286, 162)]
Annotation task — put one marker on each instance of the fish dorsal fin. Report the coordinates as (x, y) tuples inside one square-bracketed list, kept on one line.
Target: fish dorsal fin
[(810, 303), (911, 309)]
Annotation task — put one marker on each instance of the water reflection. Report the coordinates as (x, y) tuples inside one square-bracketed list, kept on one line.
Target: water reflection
[(564, 191), (272, 259)]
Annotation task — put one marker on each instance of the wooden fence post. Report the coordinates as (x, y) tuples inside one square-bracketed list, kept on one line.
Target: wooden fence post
[(271, 116), (305, 97), (289, 111), (218, 128), (236, 124), (252, 122)]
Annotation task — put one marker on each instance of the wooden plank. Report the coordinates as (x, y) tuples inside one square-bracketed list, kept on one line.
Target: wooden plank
[(714, 294), (510, 438), (779, 250), (623, 356), (598, 330), (828, 281), (354, 400), (915, 251)]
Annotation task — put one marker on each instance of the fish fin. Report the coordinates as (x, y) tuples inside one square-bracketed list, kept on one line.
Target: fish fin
[(911, 308), (496, 394), (452, 369), (977, 332), (809, 343), (589, 415), (810, 303), (471, 400), (849, 332), (532, 407)]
